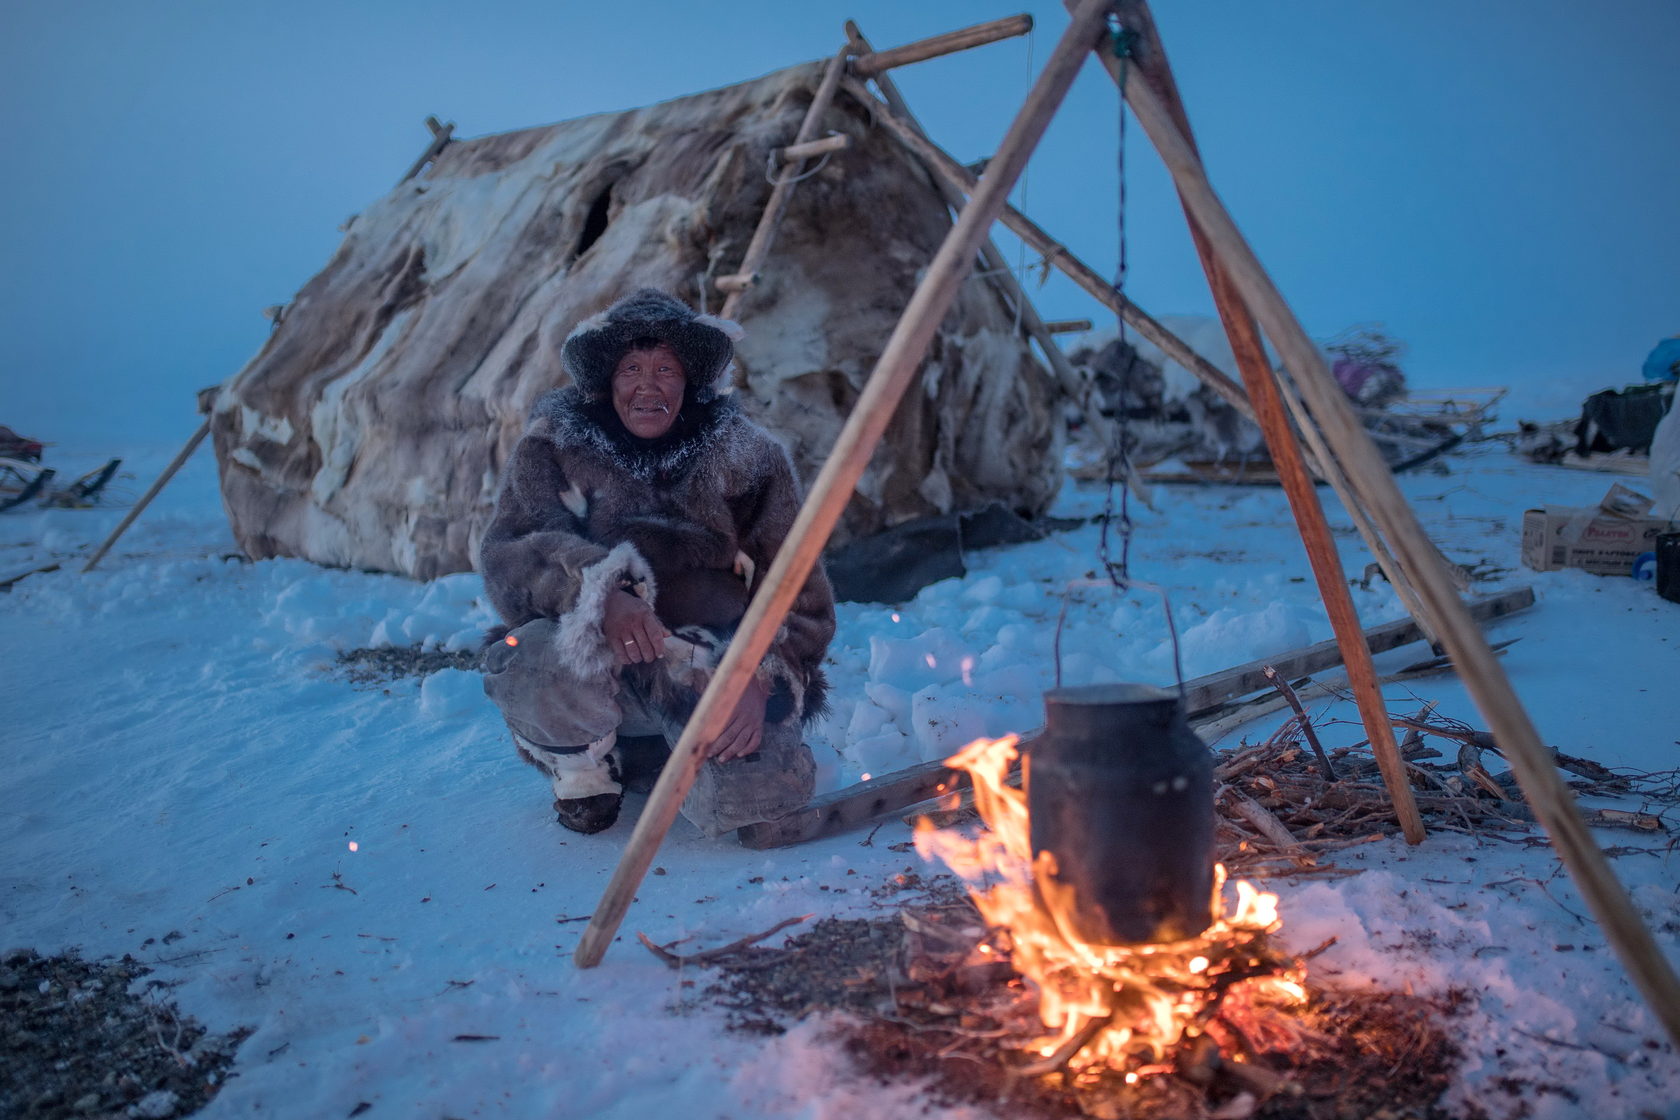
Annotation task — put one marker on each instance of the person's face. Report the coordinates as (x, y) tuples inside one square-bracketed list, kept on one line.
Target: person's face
[(647, 391)]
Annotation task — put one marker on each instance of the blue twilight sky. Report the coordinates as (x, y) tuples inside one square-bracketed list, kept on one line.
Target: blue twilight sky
[(1496, 180)]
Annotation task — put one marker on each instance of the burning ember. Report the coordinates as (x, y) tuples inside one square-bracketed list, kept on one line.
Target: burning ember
[(1134, 1009)]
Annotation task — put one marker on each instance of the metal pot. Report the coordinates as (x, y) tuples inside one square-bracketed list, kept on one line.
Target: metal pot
[(1120, 796)]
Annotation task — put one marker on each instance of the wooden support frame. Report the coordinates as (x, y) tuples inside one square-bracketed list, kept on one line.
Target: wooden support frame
[(1376, 490), (834, 485), (1073, 383), (764, 236)]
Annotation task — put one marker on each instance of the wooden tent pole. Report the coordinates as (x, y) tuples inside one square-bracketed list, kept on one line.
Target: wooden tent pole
[(1543, 789), (758, 249), (1269, 410), (146, 498), (1073, 383), (871, 62), (838, 479)]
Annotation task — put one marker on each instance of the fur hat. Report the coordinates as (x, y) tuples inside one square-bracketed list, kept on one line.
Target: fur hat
[(704, 343)]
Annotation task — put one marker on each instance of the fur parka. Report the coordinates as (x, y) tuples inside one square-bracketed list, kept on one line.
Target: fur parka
[(690, 521)]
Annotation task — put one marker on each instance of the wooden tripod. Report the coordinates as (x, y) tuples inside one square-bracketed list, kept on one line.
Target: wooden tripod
[(1245, 295)]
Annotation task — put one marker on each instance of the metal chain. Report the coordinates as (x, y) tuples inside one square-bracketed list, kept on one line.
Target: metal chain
[(1119, 458)]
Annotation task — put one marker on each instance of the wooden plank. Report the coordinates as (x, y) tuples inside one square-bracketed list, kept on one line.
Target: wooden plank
[(950, 42), (835, 484), (1205, 698)]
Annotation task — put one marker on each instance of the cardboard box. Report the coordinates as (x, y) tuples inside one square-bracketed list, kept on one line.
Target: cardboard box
[(1604, 539)]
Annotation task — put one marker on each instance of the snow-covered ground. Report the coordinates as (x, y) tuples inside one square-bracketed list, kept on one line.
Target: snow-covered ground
[(363, 874)]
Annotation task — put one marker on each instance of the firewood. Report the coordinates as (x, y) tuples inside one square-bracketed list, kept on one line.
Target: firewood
[(677, 960)]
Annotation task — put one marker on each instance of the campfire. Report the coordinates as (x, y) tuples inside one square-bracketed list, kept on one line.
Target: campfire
[(1138, 1007)]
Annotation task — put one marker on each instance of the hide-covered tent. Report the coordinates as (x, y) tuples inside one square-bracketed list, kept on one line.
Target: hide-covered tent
[(371, 428)]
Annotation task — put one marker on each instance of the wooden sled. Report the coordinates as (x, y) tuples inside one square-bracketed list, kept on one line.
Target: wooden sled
[(21, 480)]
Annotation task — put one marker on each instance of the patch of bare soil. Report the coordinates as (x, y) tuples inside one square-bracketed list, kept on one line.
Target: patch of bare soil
[(372, 666), (914, 1003), (76, 1041)]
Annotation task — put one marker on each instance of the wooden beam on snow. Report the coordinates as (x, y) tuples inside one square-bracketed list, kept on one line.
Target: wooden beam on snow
[(1203, 699), (876, 62)]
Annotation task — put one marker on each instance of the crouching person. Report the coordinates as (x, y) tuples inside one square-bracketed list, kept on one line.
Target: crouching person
[(634, 517)]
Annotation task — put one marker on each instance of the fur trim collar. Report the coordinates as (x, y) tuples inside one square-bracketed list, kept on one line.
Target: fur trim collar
[(579, 421)]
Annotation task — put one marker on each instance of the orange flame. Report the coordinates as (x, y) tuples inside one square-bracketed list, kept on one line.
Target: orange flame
[(1151, 995)]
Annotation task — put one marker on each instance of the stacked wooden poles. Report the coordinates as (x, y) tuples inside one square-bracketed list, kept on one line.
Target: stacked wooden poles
[(1325, 561), (833, 487), (1376, 489)]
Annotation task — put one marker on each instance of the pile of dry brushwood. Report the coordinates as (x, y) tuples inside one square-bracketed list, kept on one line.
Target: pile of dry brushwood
[(929, 993), (1285, 803)]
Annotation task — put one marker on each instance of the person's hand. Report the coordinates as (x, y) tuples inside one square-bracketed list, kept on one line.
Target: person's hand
[(632, 629), (744, 732)]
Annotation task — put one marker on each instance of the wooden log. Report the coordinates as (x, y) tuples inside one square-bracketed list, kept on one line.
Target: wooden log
[(146, 498), (888, 793), (875, 62), (764, 235), (1267, 399), (945, 166), (1545, 791), (794, 153), (834, 485), (1067, 326)]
